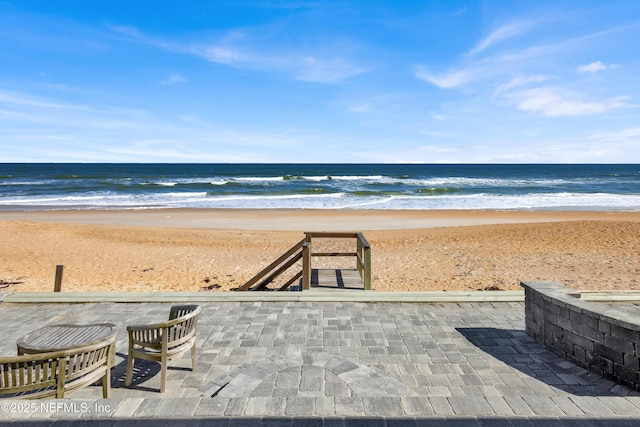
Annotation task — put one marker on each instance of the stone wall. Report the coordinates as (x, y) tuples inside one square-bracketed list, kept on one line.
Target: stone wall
[(598, 337)]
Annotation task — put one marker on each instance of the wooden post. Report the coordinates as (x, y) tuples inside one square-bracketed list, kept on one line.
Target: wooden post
[(367, 272), (306, 266), (306, 262), (359, 256), (58, 284)]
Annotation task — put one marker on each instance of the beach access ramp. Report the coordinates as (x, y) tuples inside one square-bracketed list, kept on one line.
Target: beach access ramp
[(300, 267)]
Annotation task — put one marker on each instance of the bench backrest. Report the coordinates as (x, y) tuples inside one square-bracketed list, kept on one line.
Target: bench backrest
[(41, 375), (186, 321), (31, 375), (179, 329)]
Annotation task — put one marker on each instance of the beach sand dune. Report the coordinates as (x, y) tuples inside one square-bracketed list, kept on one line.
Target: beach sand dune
[(411, 251)]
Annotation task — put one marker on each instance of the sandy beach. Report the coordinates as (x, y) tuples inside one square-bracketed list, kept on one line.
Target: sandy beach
[(217, 250)]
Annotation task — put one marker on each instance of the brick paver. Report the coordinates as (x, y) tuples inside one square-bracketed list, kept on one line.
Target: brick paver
[(333, 363)]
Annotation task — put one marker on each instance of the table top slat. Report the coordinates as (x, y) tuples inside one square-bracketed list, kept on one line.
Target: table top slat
[(64, 336)]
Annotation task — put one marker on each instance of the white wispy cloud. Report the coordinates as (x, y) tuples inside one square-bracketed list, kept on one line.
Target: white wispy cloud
[(326, 70), (361, 108), (596, 66), (451, 79), (592, 67), (280, 4), (58, 130), (501, 34), (133, 33), (473, 69), (519, 81), (556, 102), (614, 146), (508, 74), (460, 11), (239, 49), (620, 145), (315, 67), (62, 87), (174, 79), (502, 65), (27, 100), (223, 55)]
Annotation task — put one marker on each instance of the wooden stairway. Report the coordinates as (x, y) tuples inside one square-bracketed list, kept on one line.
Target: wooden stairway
[(293, 269)]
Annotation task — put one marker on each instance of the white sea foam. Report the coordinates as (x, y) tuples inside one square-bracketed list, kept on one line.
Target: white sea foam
[(560, 187), (344, 201), (358, 178), (257, 179), (436, 182)]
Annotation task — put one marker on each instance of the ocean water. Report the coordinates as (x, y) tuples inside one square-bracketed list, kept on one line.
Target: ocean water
[(319, 186)]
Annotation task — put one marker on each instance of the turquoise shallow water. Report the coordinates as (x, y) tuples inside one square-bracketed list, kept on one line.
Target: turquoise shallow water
[(319, 186)]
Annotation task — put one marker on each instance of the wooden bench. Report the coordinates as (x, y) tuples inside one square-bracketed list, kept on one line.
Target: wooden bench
[(164, 341), (52, 374)]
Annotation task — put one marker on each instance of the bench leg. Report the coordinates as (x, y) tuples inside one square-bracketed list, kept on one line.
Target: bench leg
[(62, 367), (163, 374), (128, 377), (106, 384), (193, 357), (106, 381)]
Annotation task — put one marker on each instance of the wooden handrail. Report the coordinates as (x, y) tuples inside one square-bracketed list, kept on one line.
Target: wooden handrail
[(334, 254), (362, 253), (297, 276), (302, 251), (273, 265), (330, 234), (284, 267), (363, 241)]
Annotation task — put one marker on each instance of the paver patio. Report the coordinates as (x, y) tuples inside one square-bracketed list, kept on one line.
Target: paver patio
[(335, 363)]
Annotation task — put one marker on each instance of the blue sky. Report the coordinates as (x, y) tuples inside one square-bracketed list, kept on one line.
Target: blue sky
[(493, 81)]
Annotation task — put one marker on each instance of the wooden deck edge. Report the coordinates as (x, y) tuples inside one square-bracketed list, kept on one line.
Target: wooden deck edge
[(305, 296), (610, 296)]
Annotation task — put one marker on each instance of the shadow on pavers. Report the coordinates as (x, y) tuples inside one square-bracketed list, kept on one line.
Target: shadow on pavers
[(518, 350), (143, 371)]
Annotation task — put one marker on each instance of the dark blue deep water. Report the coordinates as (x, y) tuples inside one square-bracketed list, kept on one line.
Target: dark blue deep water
[(320, 186)]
